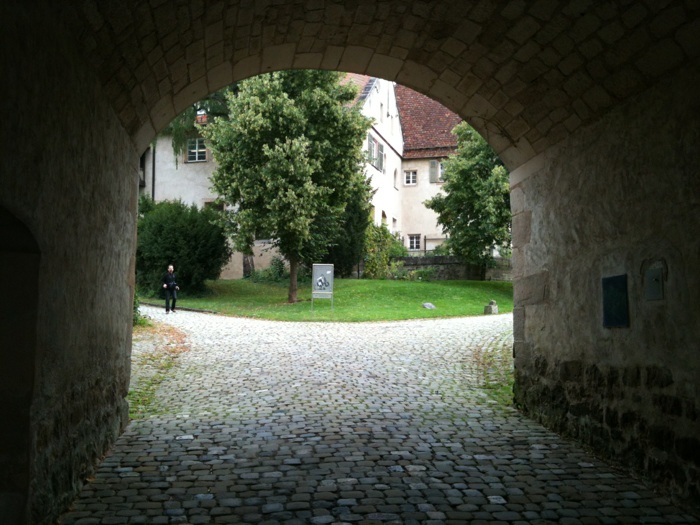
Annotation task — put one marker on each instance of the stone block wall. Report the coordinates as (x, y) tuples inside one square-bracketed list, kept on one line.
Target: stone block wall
[(615, 199), (446, 268), (71, 180)]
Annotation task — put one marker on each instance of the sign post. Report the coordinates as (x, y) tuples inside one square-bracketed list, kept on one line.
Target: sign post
[(322, 283)]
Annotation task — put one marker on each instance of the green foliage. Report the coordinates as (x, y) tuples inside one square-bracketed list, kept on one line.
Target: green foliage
[(475, 209), (146, 205), (275, 273), (381, 245), (174, 233), (423, 274), (289, 161), (183, 127), (397, 271), (441, 250), (348, 250), (138, 319)]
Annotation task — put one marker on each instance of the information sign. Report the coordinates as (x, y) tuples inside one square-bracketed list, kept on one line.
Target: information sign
[(322, 282)]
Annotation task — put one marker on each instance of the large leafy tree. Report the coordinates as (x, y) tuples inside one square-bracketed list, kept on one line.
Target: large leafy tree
[(475, 209), (289, 160)]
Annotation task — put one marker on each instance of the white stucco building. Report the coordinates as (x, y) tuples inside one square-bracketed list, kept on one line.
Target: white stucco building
[(428, 140), (409, 139)]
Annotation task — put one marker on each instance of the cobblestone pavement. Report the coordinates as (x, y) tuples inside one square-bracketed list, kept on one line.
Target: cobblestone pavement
[(271, 422)]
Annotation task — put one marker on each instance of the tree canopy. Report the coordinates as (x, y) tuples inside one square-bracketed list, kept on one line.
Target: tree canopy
[(289, 161), (474, 211)]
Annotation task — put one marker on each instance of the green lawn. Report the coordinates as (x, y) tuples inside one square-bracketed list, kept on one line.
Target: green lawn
[(354, 300)]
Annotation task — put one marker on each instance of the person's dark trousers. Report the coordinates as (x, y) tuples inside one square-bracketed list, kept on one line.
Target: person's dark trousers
[(170, 295)]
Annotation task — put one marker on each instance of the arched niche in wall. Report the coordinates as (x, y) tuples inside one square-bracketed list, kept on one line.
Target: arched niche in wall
[(19, 271)]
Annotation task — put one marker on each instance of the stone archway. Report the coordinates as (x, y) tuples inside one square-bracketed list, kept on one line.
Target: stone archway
[(563, 91), (19, 263)]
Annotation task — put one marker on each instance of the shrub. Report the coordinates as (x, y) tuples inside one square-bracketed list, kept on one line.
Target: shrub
[(381, 245), (171, 232), (275, 273), (398, 272), (423, 274), (278, 272), (442, 249)]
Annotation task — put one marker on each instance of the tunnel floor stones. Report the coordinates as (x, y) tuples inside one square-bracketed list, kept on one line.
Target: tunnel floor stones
[(267, 422)]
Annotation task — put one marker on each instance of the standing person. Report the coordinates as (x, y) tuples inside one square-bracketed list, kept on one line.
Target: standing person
[(171, 288)]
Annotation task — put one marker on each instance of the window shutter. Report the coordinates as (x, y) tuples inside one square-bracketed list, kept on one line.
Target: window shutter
[(433, 171), (380, 157)]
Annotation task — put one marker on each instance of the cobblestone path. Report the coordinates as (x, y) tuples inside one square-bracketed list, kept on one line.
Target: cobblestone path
[(283, 423)]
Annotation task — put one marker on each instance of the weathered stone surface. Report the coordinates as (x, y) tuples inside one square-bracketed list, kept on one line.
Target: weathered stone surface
[(522, 228), (532, 289), (445, 268), (72, 182), (631, 392), (491, 308), (657, 376)]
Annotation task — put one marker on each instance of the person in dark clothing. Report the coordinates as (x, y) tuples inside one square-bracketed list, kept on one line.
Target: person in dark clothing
[(170, 286)]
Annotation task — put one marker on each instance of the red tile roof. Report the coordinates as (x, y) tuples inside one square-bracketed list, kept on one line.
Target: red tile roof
[(426, 124)]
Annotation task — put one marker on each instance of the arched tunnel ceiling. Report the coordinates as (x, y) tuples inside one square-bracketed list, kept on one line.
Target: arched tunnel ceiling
[(524, 73)]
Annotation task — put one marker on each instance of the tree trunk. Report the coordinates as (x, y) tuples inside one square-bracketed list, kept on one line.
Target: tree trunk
[(248, 265), (293, 269)]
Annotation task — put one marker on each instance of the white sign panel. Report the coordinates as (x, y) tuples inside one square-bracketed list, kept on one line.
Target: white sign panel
[(322, 281)]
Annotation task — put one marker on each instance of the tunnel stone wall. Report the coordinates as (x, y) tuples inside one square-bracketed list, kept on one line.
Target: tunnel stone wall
[(70, 175), (619, 198)]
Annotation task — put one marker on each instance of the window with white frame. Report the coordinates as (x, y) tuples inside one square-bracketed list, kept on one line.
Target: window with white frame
[(414, 242), (371, 147), (410, 177), (441, 172), (196, 150), (381, 157), (375, 153)]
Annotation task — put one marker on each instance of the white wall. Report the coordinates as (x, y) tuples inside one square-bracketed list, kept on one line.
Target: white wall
[(380, 106), (417, 219), (185, 181)]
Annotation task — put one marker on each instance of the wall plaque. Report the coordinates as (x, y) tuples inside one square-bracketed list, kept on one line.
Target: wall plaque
[(616, 313)]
